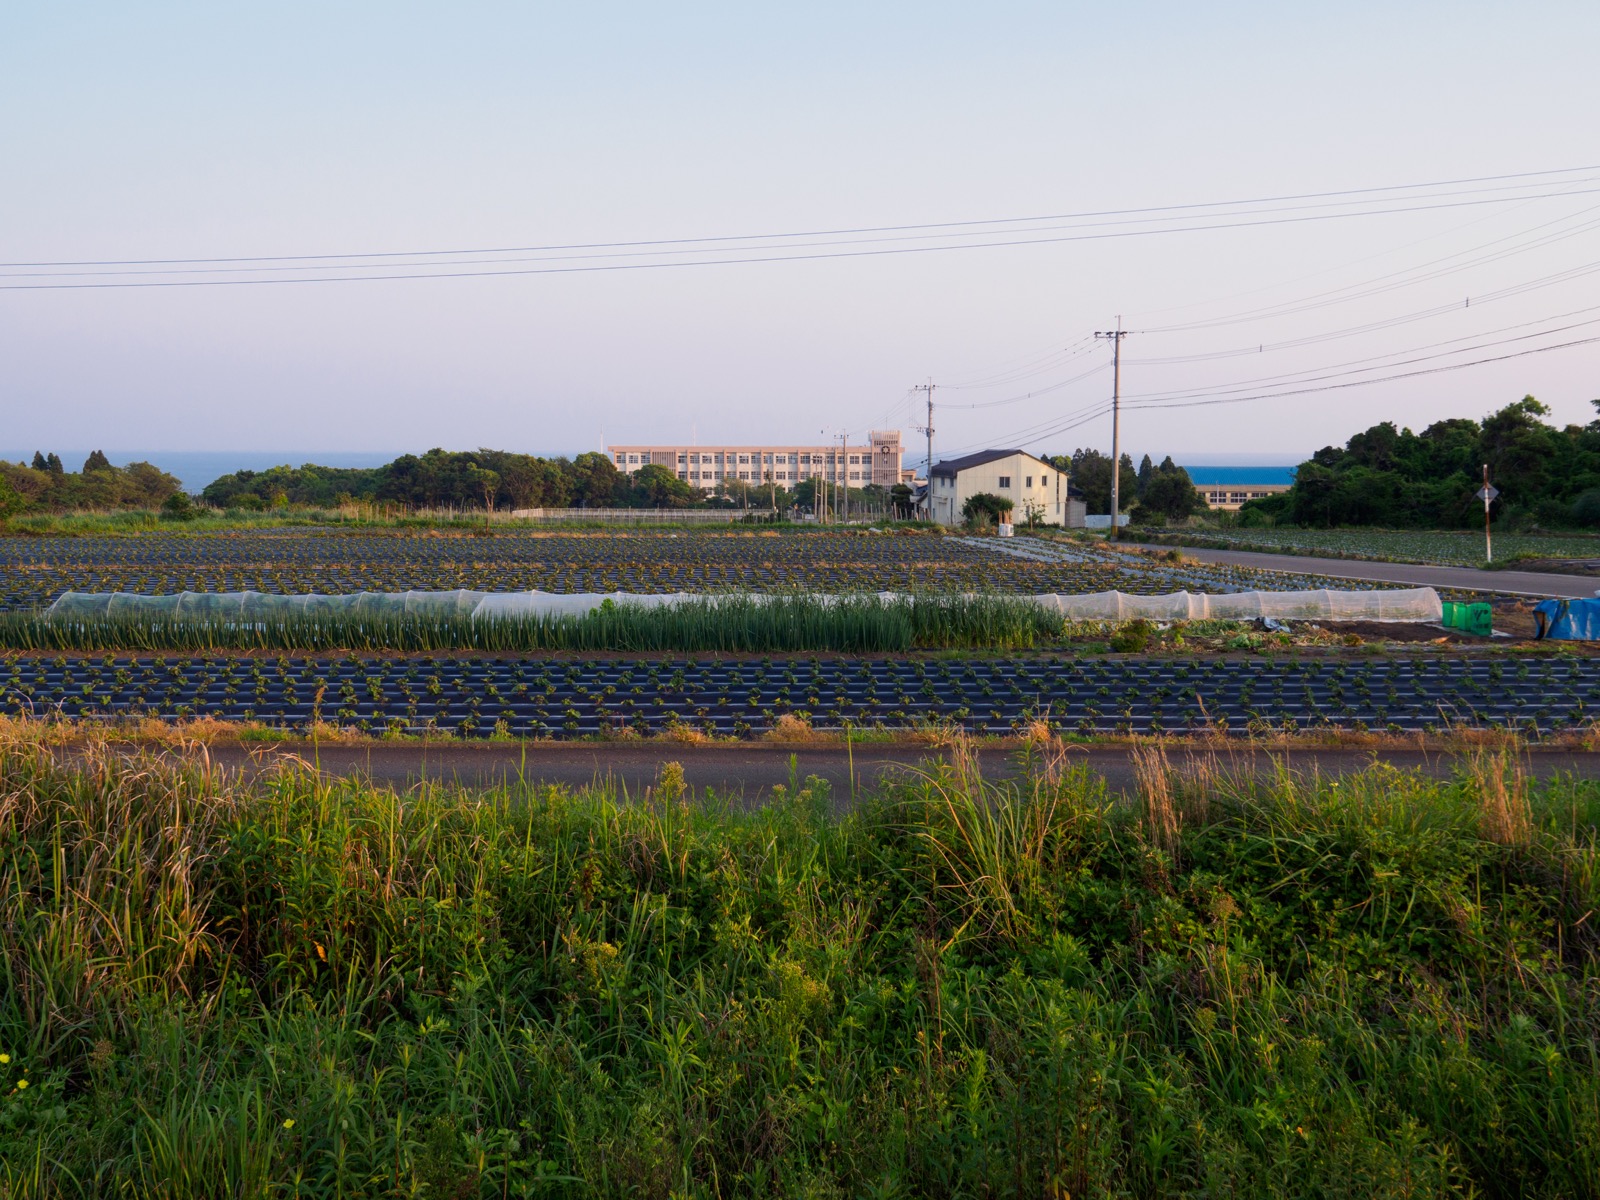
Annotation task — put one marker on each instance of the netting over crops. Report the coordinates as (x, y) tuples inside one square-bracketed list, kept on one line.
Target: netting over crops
[(1408, 604)]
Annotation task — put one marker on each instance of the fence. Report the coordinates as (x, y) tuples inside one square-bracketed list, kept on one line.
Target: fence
[(637, 516)]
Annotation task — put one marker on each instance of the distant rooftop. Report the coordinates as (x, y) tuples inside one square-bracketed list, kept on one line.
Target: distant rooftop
[(952, 466)]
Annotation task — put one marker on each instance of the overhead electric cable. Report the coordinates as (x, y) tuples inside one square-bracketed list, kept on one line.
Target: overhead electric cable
[(1330, 387), (431, 271), (813, 232)]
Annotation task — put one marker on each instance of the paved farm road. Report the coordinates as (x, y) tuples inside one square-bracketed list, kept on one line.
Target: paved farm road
[(1524, 583), (751, 770)]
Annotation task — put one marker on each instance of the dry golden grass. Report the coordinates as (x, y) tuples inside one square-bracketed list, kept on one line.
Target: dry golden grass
[(1501, 784), (1159, 816), (791, 728)]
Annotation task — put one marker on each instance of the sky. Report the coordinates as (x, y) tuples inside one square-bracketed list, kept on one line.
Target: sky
[(166, 131)]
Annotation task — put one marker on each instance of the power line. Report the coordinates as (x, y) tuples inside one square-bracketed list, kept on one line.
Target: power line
[(1381, 283), (1043, 391), (1330, 387), (867, 229), (430, 271), (1333, 370)]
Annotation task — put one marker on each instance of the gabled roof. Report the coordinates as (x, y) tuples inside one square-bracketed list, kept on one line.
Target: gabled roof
[(954, 466)]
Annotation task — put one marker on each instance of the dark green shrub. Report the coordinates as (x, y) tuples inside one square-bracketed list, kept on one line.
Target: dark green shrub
[(986, 506), (178, 507), (1585, 510), (1132, 637)]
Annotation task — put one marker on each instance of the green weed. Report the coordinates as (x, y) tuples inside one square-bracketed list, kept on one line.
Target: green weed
[(1369, 986)]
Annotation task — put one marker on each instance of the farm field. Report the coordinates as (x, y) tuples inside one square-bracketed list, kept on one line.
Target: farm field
[(34, 571), (485, 696), (1448, 548), (1378, 986)]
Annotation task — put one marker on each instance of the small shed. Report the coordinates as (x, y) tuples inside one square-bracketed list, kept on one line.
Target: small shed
[(1038, 490)]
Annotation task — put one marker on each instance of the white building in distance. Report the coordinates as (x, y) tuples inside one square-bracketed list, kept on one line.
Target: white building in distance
[(878, 462), (1033, 486)]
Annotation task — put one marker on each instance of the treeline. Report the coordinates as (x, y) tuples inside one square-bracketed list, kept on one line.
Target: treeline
[(476, 479), (496, 479), (45, 485), (1393, 477), (1152, 494)]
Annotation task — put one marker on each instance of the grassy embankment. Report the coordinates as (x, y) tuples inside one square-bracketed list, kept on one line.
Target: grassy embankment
[(1370, 987)]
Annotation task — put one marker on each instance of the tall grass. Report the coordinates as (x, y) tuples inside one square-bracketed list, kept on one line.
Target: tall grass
[(957, 988), (858, 624)]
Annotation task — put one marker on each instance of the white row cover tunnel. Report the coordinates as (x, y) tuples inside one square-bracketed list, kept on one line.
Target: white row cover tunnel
[(1408, 604)]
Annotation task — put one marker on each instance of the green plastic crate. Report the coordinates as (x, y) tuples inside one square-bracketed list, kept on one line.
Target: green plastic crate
[(1452, 614), (1477, 619)]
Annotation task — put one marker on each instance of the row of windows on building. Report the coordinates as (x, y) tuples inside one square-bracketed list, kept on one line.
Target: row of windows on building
[(830, 460), (1004, 481), (769, 476)]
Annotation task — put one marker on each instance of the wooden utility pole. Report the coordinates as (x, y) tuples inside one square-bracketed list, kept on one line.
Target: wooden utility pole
[(1116, 337)]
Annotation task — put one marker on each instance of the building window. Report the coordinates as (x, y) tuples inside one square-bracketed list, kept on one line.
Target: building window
[(622, 458), (1027, 481), (683, 474), (805, 460), (744, 474), (743, 459), (1005, 481), (683, 458), (855, 474)]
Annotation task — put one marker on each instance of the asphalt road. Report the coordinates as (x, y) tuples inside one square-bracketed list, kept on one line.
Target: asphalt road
[(750, 771), (1520, 583)]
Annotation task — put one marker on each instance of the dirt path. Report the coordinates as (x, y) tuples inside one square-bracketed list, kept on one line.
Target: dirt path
[(1519, 583), (751, 771)]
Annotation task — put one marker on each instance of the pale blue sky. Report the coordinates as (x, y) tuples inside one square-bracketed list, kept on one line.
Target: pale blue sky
[(169, 130)]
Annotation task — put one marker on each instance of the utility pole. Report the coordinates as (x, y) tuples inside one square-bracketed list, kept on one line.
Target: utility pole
[(844, 474), (1116, 337), (928, 429)]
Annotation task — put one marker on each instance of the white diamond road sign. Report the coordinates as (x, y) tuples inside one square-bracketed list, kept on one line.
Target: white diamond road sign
[(1488, 493)]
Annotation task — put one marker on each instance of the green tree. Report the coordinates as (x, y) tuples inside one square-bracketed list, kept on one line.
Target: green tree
[(488, 483), (1090, 472), (1170, 492), (96, 462), (657, 486), (1146, 471), (982, 507), (594, 480), (11, 502)]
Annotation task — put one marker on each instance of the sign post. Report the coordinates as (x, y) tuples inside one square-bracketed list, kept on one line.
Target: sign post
[(1487, 494)]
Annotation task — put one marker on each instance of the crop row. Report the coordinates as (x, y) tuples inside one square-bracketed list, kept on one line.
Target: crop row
[(559, 699), (742, 624), (33, 571)]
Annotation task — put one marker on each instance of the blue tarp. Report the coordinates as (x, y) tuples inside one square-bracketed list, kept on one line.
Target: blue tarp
[(1572, 620)]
